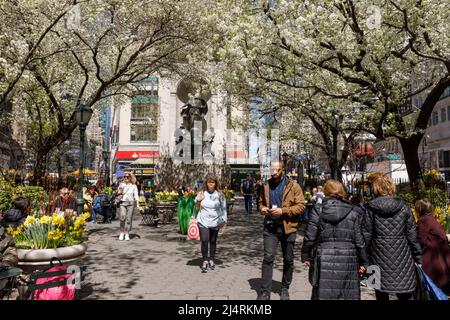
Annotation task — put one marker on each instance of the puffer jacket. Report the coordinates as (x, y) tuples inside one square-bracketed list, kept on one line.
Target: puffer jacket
[(8, 252), (390, 234), (340, 249)]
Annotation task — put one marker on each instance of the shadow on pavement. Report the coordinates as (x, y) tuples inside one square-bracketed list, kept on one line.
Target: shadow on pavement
[(255, 284), (198, 262)]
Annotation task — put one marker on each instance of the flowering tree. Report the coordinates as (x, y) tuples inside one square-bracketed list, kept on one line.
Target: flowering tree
[(55, 55), (352, 52)]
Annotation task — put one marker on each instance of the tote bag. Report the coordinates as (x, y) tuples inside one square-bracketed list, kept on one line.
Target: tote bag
[(193, 230)]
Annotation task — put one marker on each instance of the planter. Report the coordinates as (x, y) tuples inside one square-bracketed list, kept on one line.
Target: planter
[(39, 259), (166, 211)]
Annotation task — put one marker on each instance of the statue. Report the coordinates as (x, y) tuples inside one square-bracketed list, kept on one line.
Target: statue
[(181, 134), (208, 140)]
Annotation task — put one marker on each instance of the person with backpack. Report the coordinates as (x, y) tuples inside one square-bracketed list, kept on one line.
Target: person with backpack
[(333, 247), (247, 191), (211, 217)]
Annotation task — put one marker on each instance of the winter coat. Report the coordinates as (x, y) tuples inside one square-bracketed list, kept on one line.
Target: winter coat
[(8, 252), (13, 218), (390, 234), (340, 249), (435, 250), (293, 204)]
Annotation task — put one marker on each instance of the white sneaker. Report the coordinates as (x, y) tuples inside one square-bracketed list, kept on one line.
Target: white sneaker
[(121, 236), (127, 237)]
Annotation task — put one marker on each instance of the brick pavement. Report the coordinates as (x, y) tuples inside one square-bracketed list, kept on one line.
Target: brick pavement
[(159, 264)]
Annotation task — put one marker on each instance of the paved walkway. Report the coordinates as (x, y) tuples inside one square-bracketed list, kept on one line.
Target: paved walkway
[(159, 264)]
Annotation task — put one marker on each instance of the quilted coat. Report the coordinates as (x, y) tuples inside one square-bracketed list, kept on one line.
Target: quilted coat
[(340, 249), (390, 234)]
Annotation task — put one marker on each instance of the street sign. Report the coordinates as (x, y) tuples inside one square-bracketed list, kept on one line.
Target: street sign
[(393, 157)]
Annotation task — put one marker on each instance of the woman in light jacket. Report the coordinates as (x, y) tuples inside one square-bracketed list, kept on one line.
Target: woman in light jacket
[(211, 217), (130, 197)]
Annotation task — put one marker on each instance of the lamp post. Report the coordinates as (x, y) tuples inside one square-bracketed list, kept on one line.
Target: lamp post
[(285, 156), (106, 162), (83, 116)]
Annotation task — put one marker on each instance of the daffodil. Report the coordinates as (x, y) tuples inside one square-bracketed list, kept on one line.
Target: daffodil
[(30, 220), (10, 230), (46, 219), (58, 220)]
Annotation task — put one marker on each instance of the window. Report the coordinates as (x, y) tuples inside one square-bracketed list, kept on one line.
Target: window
[(145, 112), (435, 118), (443, 115), (444, 159)]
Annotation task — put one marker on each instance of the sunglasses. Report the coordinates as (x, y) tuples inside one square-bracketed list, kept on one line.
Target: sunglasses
[(127, 176)]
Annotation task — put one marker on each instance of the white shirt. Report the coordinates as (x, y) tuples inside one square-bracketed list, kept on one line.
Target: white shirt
[(130, 192), (213, 211)]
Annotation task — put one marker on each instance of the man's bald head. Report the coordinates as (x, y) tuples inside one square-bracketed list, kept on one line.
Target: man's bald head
[(276, 170)]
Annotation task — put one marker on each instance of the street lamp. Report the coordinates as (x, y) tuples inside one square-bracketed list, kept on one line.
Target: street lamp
[(106, 162), (82, 116), (285, 157)]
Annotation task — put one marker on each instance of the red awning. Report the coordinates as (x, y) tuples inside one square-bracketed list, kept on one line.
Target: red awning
[(137, 154)]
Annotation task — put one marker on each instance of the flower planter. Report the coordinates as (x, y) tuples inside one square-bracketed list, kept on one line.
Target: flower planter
[(166, 211), (38, 259)]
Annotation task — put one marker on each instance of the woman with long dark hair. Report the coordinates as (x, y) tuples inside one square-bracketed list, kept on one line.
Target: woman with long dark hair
[(211, 217)]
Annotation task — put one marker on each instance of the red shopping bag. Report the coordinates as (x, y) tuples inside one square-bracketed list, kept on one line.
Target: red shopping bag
[(193, 231)]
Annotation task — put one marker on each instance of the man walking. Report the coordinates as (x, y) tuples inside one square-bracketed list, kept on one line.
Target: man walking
[(247, 191), (281, 202)]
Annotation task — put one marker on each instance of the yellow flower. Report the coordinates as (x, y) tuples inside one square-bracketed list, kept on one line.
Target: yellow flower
[(85, 216), (55, 234), (10, 230), (58, 220), (46, 219), (30, 220)]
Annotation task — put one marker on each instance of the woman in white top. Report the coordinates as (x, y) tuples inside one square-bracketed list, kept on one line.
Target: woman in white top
[(128, 204), (211, 217)]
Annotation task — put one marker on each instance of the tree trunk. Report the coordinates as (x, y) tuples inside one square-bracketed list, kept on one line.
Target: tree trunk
[(410, 148), (39, 169)]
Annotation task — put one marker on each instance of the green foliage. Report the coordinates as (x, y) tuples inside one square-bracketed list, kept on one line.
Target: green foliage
[(37, 196), (437, 196)]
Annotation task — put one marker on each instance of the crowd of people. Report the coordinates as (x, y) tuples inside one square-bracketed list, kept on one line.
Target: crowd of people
[(344, 235)]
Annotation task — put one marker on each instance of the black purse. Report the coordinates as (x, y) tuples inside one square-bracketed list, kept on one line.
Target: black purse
[(314, 269)]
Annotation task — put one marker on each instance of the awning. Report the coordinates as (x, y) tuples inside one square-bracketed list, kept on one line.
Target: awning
[(144, 161)]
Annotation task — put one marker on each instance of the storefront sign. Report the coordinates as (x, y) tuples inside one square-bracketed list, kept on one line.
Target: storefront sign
[(137, 154)]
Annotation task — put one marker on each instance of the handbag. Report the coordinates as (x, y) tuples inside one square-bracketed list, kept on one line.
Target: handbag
[(314, 269), (428, 289), (193, 230), (62, 292)]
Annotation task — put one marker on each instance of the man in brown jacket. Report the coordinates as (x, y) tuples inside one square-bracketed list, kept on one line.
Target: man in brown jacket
[(281, 202)]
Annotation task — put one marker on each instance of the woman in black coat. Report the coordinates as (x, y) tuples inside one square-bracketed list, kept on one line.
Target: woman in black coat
[(17, 214), (390, 234), (333, 247)]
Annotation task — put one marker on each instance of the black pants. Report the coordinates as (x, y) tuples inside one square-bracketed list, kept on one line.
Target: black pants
[(273, 235), (248, 202), (384, 296), (208, 236)]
